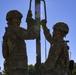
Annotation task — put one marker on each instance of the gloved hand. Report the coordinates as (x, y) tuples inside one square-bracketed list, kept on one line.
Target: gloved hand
[(29, 15), (43, 23)]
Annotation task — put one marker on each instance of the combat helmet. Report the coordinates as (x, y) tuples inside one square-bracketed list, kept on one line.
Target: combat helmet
[(61, 26), (13, 14)]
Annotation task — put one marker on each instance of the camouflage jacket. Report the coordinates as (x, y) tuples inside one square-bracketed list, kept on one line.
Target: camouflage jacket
[(58, 53), (14, 47)]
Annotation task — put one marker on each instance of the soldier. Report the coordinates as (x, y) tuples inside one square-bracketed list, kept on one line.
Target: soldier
[(14, 47), (58, 60)]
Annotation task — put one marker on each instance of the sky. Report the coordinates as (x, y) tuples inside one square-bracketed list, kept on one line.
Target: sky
[(57, 10)]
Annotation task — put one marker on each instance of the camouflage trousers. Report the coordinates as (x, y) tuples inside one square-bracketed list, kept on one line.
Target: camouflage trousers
[(18, 72), (55, 71)]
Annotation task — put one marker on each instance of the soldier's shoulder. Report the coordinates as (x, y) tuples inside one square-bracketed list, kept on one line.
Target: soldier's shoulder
[(9, 28), (12, 29), (61, 42)]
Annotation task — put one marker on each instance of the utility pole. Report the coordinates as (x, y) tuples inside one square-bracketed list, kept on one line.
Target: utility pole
[(38, 42)]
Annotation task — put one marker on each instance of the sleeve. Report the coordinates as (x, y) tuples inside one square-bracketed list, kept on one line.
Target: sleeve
[(30, 33), (19, 32), (48, 35), (34, 30), (5, 51), (53, 56), (66, 55)]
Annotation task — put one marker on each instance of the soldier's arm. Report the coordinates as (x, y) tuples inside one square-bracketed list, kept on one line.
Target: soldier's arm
[(46, 31), (53, 56), (30, 33), (5, 51), (47, 35)]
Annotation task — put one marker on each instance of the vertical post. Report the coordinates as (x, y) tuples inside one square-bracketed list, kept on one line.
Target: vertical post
[(38, 43), (46, 20)]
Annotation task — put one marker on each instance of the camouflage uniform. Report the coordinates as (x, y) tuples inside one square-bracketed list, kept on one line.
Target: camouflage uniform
[(58, 59), (14, 48)]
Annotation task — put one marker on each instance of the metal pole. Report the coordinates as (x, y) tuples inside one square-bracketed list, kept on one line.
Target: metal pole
[(30, 5), (38, 43), (46, 20), (45, 9), (45, 50)]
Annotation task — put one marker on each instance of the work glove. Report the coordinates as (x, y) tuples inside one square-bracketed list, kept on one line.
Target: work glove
[(43, 23), (29, 16), (30, 21)]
